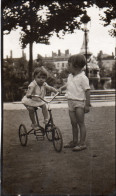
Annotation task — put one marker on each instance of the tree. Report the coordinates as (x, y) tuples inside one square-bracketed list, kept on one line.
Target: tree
[(64, 73), (14, 76), (113, 77), (38, 20), (109, 17), (99, 59), (50, 67)]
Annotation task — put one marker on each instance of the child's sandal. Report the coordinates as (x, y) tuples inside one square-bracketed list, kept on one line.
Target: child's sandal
[(79, 148), (70, 145)]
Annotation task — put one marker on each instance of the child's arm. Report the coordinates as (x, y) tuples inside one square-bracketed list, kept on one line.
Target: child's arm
[(62, 88), (87, 102), (50, 88), (29, 92)]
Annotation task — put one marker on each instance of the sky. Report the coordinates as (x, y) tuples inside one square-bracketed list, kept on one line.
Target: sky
[(99, 39)]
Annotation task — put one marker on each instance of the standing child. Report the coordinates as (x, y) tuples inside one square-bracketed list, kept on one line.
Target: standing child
[(78, 94), (37, 87)]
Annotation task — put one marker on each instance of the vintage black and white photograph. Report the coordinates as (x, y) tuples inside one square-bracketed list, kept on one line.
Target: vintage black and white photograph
[(58, 97)]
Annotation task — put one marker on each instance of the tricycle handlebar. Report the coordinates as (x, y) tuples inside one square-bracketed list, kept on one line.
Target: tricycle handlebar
[(44, 99)]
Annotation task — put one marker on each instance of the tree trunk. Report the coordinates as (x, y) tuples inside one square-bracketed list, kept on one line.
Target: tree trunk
[(30, 67)]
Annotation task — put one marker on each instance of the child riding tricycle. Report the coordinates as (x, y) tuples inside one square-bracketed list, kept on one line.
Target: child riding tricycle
[(33, 99)]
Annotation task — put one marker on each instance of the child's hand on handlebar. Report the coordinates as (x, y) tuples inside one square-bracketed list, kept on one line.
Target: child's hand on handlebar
[(29, 96), (59, 90)]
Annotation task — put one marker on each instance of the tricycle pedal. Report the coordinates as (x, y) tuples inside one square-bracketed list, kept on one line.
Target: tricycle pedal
[(40, 138)]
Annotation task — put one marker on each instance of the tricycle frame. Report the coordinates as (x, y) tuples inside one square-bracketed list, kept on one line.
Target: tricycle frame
[(51, 131)]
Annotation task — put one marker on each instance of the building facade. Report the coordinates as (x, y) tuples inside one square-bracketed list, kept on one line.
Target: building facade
[(59, 59)]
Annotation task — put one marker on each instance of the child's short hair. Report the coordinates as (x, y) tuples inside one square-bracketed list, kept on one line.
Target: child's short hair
[(41, 70), (77, 60)]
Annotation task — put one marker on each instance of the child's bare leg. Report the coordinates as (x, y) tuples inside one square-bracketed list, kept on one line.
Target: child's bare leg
[(80, 117), (45, 112), (75, 130), (31, 114)]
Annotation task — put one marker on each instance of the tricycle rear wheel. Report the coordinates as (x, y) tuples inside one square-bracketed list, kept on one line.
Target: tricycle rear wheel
[(23, 135), (57, 139)]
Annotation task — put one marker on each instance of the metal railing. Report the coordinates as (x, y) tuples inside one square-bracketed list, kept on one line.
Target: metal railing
[(96, 95)]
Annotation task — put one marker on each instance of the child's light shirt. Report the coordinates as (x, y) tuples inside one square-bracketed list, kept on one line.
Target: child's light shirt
[(35, 89), (76, 86)]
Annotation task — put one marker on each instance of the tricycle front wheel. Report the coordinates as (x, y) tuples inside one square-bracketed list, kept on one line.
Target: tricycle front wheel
[(23, 135), (57, 139)]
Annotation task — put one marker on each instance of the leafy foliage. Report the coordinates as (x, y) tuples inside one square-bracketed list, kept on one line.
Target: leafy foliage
[(50, 67), (39, 20), (99, 58), (113, 76), (109, 18), (13, 77), (59, 15), (64, 73)]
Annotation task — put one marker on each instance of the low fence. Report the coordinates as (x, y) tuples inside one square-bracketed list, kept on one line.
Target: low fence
[(96, 95), (103, 95)]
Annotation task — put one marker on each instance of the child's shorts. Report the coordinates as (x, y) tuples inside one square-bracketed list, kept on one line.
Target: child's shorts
[(73, 104)]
